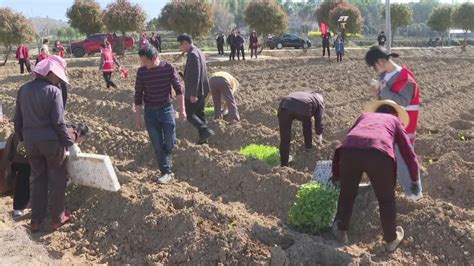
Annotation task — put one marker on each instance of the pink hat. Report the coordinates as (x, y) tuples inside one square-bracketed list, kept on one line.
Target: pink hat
[(54, 64)]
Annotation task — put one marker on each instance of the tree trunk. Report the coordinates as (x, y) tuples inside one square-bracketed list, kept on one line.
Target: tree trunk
[(9, 51)]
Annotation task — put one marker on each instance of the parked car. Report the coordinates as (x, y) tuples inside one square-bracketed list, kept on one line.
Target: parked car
[(287, 40), (91, 45)]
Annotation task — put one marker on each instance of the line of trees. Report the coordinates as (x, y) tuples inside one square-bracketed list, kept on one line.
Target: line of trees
[(121, 16), (14, 29), (445, 17)]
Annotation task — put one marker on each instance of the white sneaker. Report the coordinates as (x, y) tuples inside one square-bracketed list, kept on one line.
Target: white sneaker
[(17, 213), (415, 198), (164, 179), (394, 244)]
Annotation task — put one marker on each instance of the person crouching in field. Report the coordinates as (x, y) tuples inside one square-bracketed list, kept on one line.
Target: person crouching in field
[(224, 85), (107, 65), (369, 148), (301, 106)]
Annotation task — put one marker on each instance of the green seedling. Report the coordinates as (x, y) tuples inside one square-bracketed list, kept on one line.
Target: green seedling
[(462, 137), (472, 224), (430, 161), (314, 208), (209, 111), (232, 225), (429, 132), (268, 154)]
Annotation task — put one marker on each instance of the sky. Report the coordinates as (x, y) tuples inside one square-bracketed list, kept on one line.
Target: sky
[(56, 9)]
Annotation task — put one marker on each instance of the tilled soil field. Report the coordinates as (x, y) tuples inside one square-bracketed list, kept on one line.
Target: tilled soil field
[(224, 209)]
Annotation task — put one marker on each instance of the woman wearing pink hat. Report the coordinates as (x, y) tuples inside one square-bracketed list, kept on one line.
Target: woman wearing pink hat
[(39, 123)]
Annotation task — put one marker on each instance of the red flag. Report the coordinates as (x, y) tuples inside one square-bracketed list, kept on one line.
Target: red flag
[(324, 28)]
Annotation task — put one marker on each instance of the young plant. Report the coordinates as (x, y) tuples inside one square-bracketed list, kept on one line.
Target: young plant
[(268, 154), (315, 207), (209, 111)]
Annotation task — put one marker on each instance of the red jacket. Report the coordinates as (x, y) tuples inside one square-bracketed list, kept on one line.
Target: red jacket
[(61, 50), (40, 58), (108, 60), (405, 77), (25, 53)]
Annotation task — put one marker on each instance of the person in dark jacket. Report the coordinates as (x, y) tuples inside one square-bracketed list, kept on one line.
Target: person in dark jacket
[(253, 44), (239, 42), (230, 43), (220, 43), (381, 39), (18, 170), (326, 40), (301, 106), (23, 58), (41, 129), (369, 148), (196, 87)]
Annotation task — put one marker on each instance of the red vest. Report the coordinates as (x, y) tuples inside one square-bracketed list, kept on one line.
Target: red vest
[(107, 61), (404, 78)]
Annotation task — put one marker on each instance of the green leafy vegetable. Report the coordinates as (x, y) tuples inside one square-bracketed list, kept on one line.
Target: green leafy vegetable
[(209, 111), (268, 154), (232, 225), (315, 207)]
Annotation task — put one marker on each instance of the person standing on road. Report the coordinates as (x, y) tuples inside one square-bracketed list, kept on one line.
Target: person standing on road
[(220, 43), (230, 42), (224, 85), (301, 106), (253, 44), (239, 42), (369, 148), (154, 41), (381, 39), (397, 83), (153, 88), (339, 46), (45, 46), (144, 41), (39, 123), (107, 65), (326, 40), (23, 58), (197, 87)]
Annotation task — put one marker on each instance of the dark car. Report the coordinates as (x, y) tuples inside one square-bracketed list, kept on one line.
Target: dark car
[(91, 45), (287, 40)]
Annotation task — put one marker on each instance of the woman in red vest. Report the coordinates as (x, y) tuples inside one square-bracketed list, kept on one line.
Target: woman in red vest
[(397, 83), (22, 57), (107, 65), (61, 49)]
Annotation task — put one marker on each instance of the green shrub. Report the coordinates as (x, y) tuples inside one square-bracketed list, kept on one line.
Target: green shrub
[(314, 208), (268, 154)]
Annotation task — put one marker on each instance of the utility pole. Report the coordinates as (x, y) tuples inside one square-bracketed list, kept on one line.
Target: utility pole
[(388, 26)]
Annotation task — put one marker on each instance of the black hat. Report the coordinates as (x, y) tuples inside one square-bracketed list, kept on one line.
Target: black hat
[(378, 52)]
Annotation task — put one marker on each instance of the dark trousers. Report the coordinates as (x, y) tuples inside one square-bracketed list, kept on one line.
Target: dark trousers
[(285, 119), (220, 49), (253, 51), (232, 53), (195, 113), (241, 50), (48, 170), (381, 171), (339, 57), (220, 88), (161, 126), (108, 80), (326, 47), (23, 63), (21, 194)]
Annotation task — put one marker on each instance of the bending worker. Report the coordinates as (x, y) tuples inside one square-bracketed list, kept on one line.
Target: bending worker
[(369, 148), (300, 106), (224, 85)]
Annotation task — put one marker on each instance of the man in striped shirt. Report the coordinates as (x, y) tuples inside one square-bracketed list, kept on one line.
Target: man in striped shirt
[(153, 88)]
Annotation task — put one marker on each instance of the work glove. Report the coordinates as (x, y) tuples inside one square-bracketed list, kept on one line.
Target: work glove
[(74, 151), (415, 188), (21, 149)]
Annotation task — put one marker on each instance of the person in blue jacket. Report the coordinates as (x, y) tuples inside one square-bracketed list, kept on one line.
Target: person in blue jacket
[(339, 46)]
